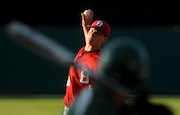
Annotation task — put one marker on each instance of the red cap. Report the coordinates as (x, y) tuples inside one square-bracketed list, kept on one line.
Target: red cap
[(103, 26)]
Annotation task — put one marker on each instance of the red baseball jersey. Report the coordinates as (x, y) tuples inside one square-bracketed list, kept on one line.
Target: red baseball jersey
[(78, 79)]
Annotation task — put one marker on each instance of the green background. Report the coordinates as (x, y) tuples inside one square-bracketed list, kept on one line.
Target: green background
[(24, 72)]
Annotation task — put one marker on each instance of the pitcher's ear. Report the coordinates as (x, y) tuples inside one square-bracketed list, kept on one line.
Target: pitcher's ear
[(105, 40)]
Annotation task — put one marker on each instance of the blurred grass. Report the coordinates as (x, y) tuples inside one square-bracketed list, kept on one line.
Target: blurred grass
[(53, 105), (172, 102), (45, 105)]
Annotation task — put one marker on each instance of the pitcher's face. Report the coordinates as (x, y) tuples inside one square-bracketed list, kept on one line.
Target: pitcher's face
[(96, 37)]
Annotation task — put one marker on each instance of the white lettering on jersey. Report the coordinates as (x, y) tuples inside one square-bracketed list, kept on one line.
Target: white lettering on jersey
[(84, 76), (68, 81)]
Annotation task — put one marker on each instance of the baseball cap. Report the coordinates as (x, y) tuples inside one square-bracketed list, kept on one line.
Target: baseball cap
[(103, 26)]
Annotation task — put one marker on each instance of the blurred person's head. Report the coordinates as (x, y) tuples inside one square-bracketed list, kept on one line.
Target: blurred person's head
[(125, 61)]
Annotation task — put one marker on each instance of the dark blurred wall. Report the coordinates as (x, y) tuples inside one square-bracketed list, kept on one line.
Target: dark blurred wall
[(25, 72), (67, 12)]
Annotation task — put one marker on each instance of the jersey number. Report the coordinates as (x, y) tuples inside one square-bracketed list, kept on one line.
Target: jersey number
[(84, 76)]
